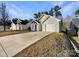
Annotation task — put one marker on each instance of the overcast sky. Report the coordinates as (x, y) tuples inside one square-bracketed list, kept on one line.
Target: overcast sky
[(26, 9)]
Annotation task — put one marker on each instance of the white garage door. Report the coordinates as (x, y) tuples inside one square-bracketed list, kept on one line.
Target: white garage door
[(50, 27)]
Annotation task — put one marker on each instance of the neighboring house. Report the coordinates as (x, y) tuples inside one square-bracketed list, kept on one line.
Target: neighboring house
[(16, 26), (33, 26), (74, 25), (13, 26), (20, 25), (46, 23)]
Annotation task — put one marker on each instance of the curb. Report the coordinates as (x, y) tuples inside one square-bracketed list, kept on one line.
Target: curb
[(74, 46)]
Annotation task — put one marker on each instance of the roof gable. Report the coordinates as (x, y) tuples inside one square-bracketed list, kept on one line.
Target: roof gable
[(45, 17)]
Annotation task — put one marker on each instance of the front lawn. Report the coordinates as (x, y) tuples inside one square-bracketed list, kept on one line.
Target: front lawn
[(5, 33)]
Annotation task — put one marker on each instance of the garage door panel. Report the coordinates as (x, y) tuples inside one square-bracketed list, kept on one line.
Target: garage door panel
[(50, 27)]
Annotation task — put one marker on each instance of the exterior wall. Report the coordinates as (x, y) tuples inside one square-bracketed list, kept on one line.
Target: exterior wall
[(58, 26), (17, 27), (33, 27), (38, 27), (24, 27), (44, 27), (53, 25), (50, 27), (20, 26), (13, 26), (29, 25)]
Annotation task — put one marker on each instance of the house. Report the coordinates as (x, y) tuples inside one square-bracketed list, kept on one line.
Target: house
[(13, 26), (33, 26), (21, 25), (46, 23), (16, 26), (74, 25)]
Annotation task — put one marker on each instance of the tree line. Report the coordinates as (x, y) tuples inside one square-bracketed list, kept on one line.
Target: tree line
[(53, 12)]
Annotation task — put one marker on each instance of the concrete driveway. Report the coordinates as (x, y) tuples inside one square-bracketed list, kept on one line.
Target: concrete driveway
[(12, 44)]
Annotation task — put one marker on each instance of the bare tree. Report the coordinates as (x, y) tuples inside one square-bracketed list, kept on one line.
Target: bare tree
[(4, 14)]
